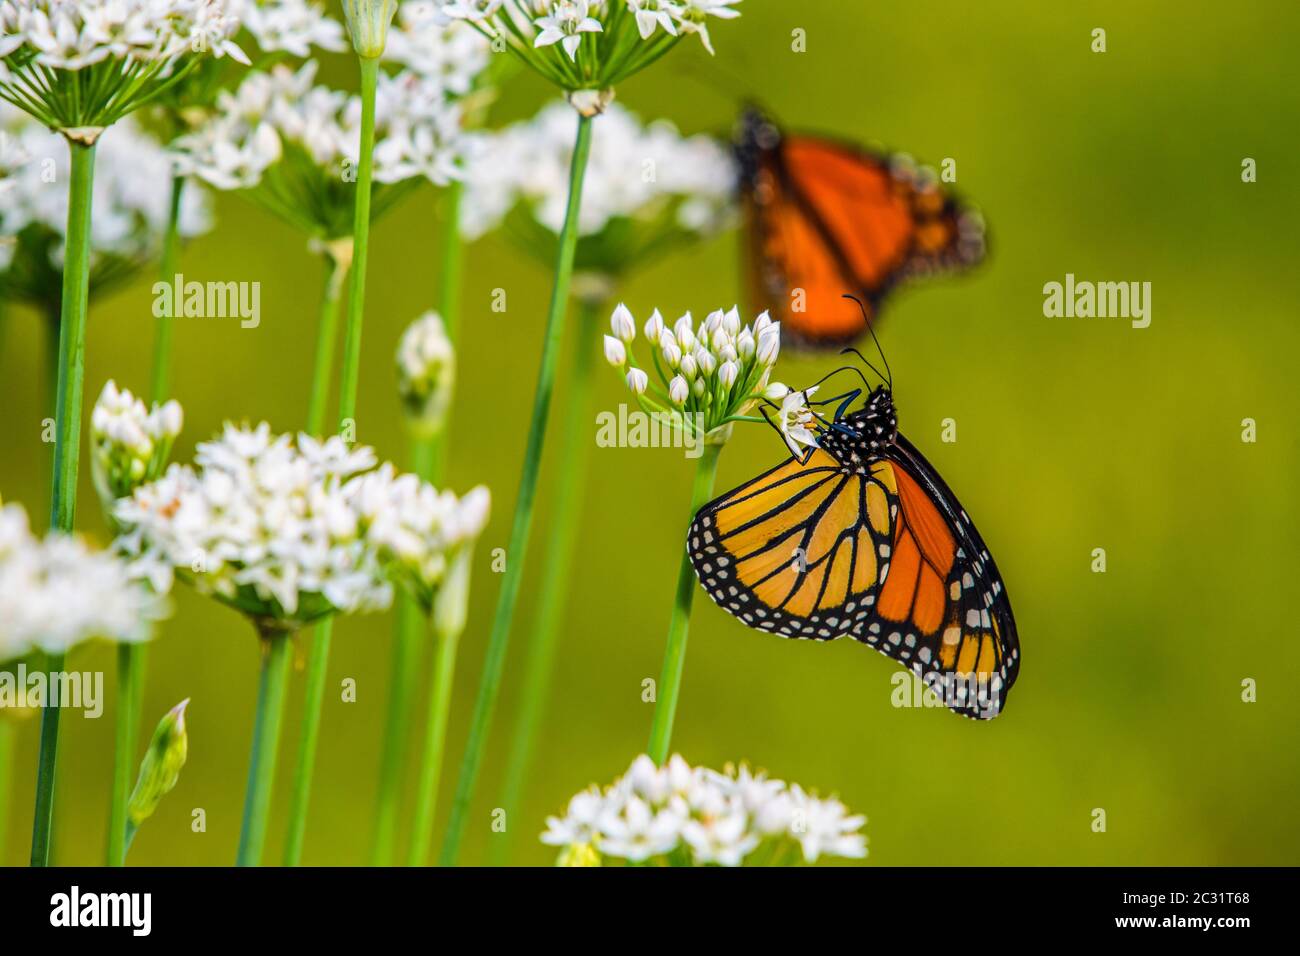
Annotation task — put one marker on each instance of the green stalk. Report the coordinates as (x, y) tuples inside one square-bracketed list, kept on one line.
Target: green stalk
[(348, 381), (361, 240), (67, 446), (428, 459), (556, 565), (318, 666), (336, 269), (435, 739), (6, 780), (131, 657), (670, 678), (266, 745), (127, 727), (494, 662), (409, 630)]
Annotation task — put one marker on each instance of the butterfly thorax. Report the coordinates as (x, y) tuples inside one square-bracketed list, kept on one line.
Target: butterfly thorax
[(860, 438)]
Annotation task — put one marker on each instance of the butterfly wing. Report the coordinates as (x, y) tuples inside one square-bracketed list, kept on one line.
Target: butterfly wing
[(942, 609), (825, 218), (814, 550), (796, 550)]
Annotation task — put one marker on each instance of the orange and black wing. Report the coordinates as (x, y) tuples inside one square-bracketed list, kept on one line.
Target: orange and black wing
[(815, 550), (797, 551), (943, 609), (825, 218)]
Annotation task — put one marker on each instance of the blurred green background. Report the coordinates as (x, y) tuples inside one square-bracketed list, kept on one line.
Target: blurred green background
[(1072, 435)]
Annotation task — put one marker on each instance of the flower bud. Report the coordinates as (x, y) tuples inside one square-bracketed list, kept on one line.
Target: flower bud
[(776, 391), (731, 320), (678, 390), (688, 366), (622, 324), (769, 346), (705, 360), (615, 353), (160, 768), (426, 373), (671, 353), (654, 326), (368, 22), (637, 380), (727, 373), (762, 323), (685, 332), (745, 345)]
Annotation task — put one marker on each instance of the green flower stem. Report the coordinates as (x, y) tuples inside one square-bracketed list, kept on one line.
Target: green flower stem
[(317, 667), (495, 660), (408, 631), (670, 678), (326, 336), (131, 657), (129, 686), (444, 672), (276, 649), (313, 705), (556, 565), (6, 780), (428, 460), (360, 240), (67, 446)]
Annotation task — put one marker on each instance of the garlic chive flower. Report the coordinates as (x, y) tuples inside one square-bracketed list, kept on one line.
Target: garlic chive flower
[(422, 536), (265, 524), (796, 421), (131, 202), (129, 444), (679, 815), (57, 592), (586, 47), (704, 377), (292, 146), (426, 373), (78, 66), (648, 190), (452, 53)]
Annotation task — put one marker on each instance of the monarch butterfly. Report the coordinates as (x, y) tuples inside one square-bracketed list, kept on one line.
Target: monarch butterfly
[(857, 534), (823, 216)]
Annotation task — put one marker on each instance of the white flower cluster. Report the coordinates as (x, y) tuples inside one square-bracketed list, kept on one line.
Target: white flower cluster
[(131, 192), (426, 370), (129, 443), (451, 53), (288, 26), (694, 816), (76, 34), (416, 530), (602, 41), (282, 113), (711, 373), (650, 175), (263, 523), (57, 592)]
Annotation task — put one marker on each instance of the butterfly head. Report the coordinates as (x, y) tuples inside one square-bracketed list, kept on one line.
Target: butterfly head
[(861, 436), (756, 135)]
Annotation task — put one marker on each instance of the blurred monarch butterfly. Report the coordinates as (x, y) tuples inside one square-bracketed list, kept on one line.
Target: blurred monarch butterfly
[(823, 216), (857, 534)]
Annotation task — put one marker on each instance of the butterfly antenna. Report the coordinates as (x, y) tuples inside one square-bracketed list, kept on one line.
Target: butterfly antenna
[(889, 376), (863, 359)]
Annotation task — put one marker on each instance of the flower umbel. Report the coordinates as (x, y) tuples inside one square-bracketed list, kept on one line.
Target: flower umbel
[(680, 815), (129, 443), (588, 46), (79, 66), (263, 523), (708, 376), (56, 592)]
